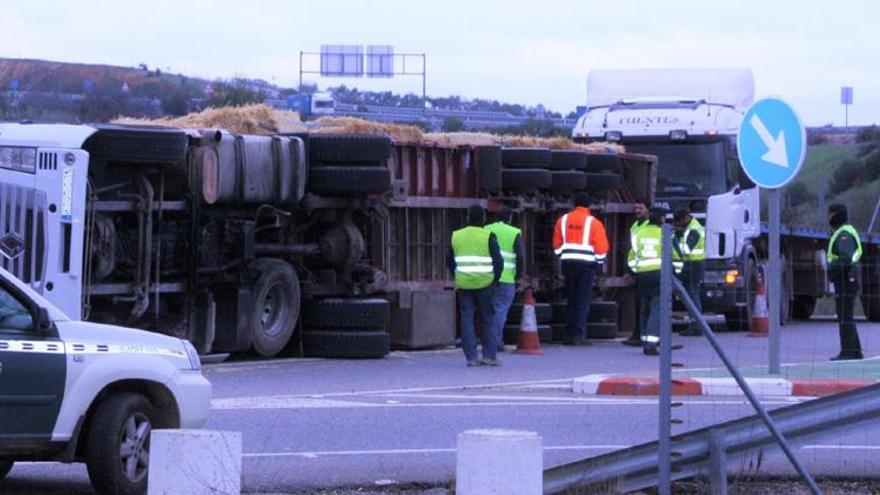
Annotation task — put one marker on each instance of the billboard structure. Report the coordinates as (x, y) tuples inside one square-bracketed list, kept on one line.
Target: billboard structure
[(377, 61)]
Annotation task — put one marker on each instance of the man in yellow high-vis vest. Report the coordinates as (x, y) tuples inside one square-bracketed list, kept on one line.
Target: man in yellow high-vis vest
[(476, 263), (510, 243), (690, 237), (645, 262), (844, 253), (641, 213)]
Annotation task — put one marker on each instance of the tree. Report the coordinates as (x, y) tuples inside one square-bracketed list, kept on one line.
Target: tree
[(234, 94), (453, 124)]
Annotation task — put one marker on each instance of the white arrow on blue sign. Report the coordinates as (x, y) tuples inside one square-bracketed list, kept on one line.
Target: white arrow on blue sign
[(772, 143)]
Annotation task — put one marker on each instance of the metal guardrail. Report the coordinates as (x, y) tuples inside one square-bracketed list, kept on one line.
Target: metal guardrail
[(636, 468)]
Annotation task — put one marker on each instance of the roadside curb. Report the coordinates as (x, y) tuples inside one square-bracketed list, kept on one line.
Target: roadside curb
[(765, 387)]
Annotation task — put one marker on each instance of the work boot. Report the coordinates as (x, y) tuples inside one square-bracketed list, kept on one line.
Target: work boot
[(848, 357), (501, 348), (650, 350), (473, 362), (490, 362), (633, 342)]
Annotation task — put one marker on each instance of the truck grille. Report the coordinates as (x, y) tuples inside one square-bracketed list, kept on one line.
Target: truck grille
[(23, 213)]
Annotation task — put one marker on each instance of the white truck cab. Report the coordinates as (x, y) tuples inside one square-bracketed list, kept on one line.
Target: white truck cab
[(76, 391)]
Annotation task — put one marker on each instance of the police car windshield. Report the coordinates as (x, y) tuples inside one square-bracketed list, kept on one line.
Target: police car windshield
[(687, 169)]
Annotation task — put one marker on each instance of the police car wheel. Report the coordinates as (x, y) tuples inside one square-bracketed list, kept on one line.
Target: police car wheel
[(118, 444), (5, 467)]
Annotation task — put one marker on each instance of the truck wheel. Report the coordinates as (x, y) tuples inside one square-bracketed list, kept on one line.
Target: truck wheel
[(138, 144), (568, 160), (349, 181), (526, 157), (369, 314), (526, 179), (489, 167), (568, 180), (276, 306), (346, 344), (5, 467), (118, 444), (345, 148), (802, 307), (603, 330), (740, 319), (600, 183), (603, 311), (603, 163)]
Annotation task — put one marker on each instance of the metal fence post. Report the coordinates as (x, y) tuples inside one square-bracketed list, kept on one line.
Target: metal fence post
[(717, 463), (665, 404)]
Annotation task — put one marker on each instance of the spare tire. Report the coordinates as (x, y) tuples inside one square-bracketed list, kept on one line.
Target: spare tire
[(603, 163), (526, 179), (602, 182), (138, 144), (349, 181), (602, 311), (568, 180), (352, 313), (602, 330), (568, 160), (526, 157), (489, 167), (345, 148), (346, 344)]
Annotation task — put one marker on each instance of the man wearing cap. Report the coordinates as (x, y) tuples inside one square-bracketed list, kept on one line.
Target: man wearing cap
[(580, 242), (510, 242), (690, 237), (641, 214), (844, 253), (475, 261), (645, 262)]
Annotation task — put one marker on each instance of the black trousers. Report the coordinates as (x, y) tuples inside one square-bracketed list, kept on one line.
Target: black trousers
[(579, 277), (850, 345)]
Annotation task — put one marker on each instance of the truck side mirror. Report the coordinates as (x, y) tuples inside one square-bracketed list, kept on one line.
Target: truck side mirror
[(744, 181), (43, 324)]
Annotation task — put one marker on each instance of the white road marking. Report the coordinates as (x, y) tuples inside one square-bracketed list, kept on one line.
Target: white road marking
[(329, 453), (313, 455)]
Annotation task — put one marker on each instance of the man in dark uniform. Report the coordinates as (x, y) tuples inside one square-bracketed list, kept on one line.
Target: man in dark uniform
[(844, 253)]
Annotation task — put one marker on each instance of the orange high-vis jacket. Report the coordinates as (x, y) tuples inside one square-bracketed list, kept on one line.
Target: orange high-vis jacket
[(579, 236)]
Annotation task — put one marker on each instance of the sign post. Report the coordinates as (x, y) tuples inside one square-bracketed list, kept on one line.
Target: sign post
[(772, 145), (846, 99)]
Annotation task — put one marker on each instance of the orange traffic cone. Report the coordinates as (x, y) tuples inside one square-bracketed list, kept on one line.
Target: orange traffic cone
[(760, 314), (528, 341)]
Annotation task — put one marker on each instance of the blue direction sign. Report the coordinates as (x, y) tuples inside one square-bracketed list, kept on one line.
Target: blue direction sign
[(772, 143)]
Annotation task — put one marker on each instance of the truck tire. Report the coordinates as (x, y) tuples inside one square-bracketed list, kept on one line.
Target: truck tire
[(489, 167), (349, 181), (526, 157), (117, 459), (603, 330), (138, 144), (568, 160), (5, 467), (558, 330), (526, 179), (543, 313), (367, 314), (740, 319), (568, 180), (600, 183), (603, 311), (346, 344), (603, 163), (871, 302), (276, 306), (802, 307), (348, 148)]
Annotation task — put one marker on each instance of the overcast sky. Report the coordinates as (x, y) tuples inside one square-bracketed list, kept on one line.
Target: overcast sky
[(528, 52)]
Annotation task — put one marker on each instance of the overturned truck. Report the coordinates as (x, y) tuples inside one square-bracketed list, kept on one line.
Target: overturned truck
[(316, 244)]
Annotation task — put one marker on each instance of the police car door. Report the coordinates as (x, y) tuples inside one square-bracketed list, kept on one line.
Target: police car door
[(32, 369)]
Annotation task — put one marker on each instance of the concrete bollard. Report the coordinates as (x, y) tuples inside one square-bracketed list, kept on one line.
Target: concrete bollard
[(507, 462), (194, 462)]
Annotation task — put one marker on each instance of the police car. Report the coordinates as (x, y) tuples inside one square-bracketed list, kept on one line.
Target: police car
[(75, 391)]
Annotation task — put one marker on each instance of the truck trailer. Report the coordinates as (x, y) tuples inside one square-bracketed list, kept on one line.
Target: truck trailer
[(689, 120), (328, 245)]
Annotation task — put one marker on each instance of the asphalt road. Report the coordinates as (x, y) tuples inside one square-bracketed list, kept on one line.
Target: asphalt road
[(320, 423)]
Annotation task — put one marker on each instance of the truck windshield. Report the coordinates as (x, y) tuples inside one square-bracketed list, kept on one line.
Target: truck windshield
[(687, 169)]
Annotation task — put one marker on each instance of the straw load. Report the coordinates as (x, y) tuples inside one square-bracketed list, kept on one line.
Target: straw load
[(265, 120)]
